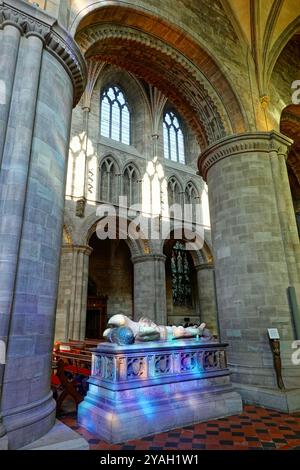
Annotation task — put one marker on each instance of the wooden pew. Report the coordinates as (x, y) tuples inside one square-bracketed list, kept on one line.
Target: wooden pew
[(67, 387), (75, 365)]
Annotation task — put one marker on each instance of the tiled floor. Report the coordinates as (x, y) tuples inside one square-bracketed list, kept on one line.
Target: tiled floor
[(256, 428)]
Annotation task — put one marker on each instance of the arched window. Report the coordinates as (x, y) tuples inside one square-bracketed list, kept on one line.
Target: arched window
[(181, 276), (173, 138), (191, 198), (174, 196), (108, 181), (115, 115), (174, 191), (131, 185)]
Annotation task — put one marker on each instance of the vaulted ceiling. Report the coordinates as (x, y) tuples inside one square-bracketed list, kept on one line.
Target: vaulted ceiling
[(265, 26)]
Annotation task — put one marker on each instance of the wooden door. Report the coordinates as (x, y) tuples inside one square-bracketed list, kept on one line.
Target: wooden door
[(96, 317)]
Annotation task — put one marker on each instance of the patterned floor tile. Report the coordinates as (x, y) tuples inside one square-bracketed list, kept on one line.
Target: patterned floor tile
[(256, 428)]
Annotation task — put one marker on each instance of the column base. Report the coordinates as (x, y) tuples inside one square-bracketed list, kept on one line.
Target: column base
[(287, 401), (60, 437), (28, 423)]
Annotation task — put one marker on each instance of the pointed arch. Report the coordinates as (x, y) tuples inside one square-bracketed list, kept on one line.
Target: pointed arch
[(174, 140), (191, 200), (109, 184), (115, 115), (131, 184), (174, 191)]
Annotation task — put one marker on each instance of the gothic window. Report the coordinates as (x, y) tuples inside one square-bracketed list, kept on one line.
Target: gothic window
[(108, 181), (115, 115), (131, 185), (174, 192), (173, 138), (181, 276), (191, 198)]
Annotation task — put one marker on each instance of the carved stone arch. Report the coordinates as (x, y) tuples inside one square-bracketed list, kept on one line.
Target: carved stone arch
[(136, 246), (188, 94), (131, 181), (109, 157), (133, 164), (196, 52), (279, 46), (175, 191), (182, 70), (290, 126), (173, 179), (109, 174), (191, 185), (201, 256)]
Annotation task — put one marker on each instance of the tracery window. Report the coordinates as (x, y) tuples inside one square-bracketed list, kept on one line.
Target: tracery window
[(131, 187), (191, 198), (115, 115), (173, 138), (108, 181), (181, 276), (174, 192)]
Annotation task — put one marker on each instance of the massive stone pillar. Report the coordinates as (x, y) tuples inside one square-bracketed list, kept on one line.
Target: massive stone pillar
[(41, 78), (150, 287), (72, 293), (206, 295), (256, 256)]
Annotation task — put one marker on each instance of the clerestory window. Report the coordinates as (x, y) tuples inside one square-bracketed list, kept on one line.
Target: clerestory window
[(173, 138), (115, 115)]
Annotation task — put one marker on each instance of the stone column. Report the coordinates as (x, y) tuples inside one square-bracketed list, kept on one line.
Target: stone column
[(42, 73), (206, 296), (256, 255), (72, 293), (149, 293)]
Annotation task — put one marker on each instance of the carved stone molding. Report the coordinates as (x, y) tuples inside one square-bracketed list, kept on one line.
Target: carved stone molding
[(34, 22), (94, 69), (148, 257), (194, 86), (201, 267), (85, 249), (258, 142)]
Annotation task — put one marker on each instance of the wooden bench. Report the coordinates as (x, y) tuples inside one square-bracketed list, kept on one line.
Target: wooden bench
[(69, 371)]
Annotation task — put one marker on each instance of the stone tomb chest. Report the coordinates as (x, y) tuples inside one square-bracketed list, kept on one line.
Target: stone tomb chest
[(147, 388)]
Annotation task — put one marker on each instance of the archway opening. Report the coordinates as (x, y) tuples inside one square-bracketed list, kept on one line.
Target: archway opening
[(181, 284), (290, 126), (110, 288)]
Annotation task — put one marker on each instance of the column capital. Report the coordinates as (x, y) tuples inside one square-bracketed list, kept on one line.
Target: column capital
[(32, 21), (149, 257), (85, 249), (203, 266), (265, 142)]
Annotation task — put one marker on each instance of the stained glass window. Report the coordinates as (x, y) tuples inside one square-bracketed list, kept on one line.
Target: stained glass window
[(115, 115), (173, 138), (181, 276)]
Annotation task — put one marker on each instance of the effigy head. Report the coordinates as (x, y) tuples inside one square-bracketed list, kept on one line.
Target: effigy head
[(122, 335), (117, 320)]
